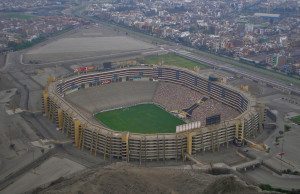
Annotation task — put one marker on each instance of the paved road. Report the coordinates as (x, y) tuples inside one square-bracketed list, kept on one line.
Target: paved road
[(265, 176), (230, 68), (292, 156)]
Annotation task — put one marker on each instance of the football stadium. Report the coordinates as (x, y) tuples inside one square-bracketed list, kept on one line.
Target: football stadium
[(150, 113)]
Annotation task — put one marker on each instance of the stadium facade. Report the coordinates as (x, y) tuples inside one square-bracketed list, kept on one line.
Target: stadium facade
[(100, 140)]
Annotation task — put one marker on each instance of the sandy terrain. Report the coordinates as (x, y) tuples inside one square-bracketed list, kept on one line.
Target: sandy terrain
[(128, 179), (87, 44), (84, 46), (41, 75)]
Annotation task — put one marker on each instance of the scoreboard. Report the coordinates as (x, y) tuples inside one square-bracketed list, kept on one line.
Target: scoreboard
[(216, 119)]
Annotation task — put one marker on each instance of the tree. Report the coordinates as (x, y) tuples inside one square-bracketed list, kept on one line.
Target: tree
[(287, 128)]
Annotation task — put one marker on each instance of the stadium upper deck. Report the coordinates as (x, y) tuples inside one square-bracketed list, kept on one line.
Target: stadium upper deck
[(128, 146)]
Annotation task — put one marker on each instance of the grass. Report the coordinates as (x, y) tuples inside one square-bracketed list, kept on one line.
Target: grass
[(267, 187), (17, 15), (296, 119), (174, 60), (143, 118)]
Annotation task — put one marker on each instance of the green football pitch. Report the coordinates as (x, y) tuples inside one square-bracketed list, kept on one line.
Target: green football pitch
[(143, 118)]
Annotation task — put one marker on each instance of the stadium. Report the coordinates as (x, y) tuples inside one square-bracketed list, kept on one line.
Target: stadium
[(150, 113)]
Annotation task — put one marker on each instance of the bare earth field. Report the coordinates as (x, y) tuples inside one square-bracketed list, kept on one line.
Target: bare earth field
[(86, 44), (70, 48)]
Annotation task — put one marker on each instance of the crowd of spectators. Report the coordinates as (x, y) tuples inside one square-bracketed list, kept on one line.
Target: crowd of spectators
[(177, 97), (213, 107)]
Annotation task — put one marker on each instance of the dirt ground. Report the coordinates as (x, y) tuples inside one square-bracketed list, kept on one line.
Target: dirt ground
[(2, 60), (129, 179), (229, 156), (255, 89), (5, 83), (84, 43)]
